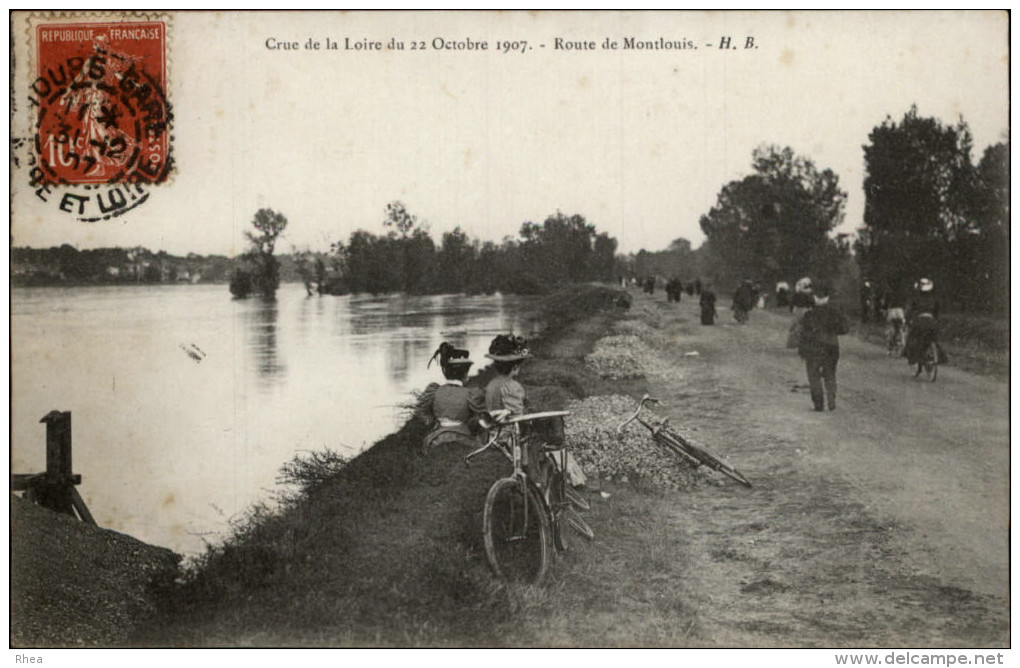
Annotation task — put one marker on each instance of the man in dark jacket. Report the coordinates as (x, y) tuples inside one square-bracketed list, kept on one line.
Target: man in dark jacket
[(819, 346), (707, 303), (743, 300)]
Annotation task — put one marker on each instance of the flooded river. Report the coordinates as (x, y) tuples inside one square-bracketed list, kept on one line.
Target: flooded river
[(185, 403)]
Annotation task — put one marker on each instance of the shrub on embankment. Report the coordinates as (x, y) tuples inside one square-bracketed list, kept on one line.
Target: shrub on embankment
[(383, 549)]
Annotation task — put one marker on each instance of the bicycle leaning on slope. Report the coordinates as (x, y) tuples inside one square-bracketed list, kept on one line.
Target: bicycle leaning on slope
[(677, 444), (521, 519)]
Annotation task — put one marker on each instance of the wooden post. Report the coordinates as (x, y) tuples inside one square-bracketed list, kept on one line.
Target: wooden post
[(58, 445), (59, 493), (54, 489)]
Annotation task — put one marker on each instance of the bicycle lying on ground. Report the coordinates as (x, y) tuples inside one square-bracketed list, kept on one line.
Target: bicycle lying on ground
[(521, 518), (680, 446)]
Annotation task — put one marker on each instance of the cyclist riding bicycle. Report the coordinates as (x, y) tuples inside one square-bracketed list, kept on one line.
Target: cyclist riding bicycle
[(922, 319), (892, 303)]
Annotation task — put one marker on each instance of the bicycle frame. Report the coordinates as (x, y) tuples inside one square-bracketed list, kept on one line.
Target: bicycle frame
[(696, 455), (660, 431), (512, 448)]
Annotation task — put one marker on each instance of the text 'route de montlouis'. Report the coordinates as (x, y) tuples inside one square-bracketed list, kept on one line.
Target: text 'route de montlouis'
[(656, 44)]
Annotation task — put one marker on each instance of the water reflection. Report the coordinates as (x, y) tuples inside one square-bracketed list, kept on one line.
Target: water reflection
[(402, 354), (260, 319)]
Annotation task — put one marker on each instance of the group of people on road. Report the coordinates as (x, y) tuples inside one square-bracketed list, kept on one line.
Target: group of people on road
[(674, 286), (817, 325)]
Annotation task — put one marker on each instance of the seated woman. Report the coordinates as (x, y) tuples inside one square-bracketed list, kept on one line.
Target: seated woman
[(508, 353), (451, 408)]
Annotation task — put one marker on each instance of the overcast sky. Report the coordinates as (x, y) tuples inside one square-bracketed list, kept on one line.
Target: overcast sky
[(639, 142)]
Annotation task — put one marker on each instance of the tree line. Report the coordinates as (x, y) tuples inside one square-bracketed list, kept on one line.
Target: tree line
[(405, 258), (929, 211)]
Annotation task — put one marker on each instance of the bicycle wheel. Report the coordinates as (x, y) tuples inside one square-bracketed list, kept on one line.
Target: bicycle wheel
[(892, 338), (576, 499), (565, 519), (931, 362), (516, 532)]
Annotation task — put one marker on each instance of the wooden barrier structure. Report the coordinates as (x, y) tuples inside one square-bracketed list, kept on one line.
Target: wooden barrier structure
[(55, 488)]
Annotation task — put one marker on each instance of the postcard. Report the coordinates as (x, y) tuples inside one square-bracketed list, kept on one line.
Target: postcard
[(239, 240)]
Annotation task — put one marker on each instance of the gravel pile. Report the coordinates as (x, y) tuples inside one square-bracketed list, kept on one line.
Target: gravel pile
[(618, 357), (592, 437), (77, 585), (642, 330)]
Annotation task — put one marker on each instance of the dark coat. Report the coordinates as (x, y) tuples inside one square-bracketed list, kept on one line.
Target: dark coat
[(923, 302), (707, 302), (819, 329), (802, 300), (744, 297)]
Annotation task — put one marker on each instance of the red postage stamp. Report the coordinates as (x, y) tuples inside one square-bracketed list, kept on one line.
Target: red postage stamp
[(103, 115)]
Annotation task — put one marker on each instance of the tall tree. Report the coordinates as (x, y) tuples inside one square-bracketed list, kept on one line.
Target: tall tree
[(989, 250), (924, 206), (455, 261), (774, 223), (414, 248), (262, 271), (560, 249)]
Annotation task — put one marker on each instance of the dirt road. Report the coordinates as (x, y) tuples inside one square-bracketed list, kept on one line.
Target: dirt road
[(884, 522)]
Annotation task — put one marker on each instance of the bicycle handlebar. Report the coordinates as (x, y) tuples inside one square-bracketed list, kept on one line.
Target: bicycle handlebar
[(647, 399), (502, 418)]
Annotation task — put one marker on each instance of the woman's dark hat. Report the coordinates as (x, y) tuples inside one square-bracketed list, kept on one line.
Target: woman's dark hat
[(449, 354), (508, 348)]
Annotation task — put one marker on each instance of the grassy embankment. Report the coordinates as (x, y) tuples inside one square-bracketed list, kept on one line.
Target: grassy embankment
[(386, 549)]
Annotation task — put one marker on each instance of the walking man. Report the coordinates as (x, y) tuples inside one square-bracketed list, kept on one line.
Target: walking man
[(819, 347)]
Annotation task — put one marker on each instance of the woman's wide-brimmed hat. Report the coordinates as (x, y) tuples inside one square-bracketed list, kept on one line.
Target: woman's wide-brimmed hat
[(925, 285), (508, 348)]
